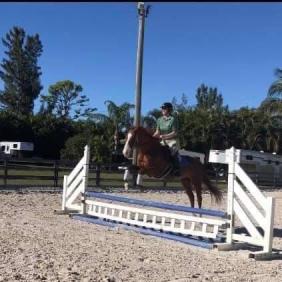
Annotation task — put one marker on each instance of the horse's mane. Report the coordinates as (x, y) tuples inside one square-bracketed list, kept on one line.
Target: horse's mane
[(146, 132), (155, 141)]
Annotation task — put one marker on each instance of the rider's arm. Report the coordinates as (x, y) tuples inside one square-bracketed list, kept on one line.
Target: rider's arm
[(157, 132), (169, 136)]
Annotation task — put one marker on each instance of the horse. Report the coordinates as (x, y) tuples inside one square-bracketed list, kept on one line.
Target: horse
[(154, 160)]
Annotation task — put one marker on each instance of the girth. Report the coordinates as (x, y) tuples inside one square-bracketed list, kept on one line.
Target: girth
[(168, 169)]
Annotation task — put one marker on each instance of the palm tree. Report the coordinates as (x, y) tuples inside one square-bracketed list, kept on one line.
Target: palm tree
[(118, 119), (247, 128), (270, 112), (275, 89), (120, 115), (272, 106)]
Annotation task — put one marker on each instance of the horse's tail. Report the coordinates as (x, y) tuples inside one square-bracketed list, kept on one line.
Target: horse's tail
[(215, 192)]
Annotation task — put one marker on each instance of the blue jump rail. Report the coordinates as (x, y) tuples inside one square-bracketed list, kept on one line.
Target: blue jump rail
[(145, 231), (154, 204)]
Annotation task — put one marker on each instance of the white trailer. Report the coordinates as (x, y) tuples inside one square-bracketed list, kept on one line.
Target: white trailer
[(16, 149), (258, 164)]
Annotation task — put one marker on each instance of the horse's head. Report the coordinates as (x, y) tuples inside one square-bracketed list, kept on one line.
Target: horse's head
[(136, 137)]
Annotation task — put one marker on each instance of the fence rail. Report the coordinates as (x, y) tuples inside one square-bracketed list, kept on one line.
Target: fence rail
[(30, 172)]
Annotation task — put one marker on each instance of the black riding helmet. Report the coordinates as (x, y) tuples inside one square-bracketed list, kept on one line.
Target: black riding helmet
[(167, 105)]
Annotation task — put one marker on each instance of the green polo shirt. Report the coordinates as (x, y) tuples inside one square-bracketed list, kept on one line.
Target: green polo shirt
[(167, 124)]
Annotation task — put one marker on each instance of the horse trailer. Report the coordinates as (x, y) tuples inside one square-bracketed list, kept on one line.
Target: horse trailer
[(262, 167), (16, 149)]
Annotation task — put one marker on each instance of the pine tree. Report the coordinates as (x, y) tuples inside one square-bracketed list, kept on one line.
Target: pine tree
[(63, 98), (20, 71), (208, 98)]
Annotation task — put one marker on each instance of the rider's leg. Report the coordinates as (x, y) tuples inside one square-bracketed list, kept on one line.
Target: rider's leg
[(174, 156), (173, 147)]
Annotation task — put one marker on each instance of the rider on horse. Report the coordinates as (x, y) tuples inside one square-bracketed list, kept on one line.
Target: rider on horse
[(167, 131)]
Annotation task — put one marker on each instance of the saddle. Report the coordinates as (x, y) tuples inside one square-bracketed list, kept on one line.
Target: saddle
[(179, 161), (176, 163)]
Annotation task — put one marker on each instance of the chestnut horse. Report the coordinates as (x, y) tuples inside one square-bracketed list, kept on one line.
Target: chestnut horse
[(154, 160)]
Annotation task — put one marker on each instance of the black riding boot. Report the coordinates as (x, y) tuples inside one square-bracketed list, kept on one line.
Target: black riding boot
[(175, 162)]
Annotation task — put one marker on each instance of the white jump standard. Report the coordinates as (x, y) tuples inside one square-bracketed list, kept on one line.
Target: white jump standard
[(179, 222)]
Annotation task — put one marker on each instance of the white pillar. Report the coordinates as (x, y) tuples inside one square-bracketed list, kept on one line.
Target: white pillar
[(231, 158), (269, 225), (64, 195), (85, 178)]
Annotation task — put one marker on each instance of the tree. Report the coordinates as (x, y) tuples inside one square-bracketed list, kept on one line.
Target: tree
[(118, 116), (208, 99), (63, 97), (92, 134), (20, 72), (272, 106), (15, 127), (247, 127), (50, 135), (202, 126), (275, 89), (183, 106), (150, 120)]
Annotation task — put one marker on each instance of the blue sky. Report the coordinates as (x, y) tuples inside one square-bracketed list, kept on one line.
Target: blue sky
[(232, 46)]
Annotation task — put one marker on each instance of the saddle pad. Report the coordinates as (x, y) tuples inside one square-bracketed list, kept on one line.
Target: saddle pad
[(184, 161)]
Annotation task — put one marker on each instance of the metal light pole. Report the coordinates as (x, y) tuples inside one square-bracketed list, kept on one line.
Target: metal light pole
[(142, 12)]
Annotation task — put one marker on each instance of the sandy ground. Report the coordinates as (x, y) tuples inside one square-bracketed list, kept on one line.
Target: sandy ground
[(37, 245)]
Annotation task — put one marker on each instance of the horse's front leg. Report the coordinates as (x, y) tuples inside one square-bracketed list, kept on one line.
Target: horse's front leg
[(128, 173), (139, 179), (133, 169), (126, 179)]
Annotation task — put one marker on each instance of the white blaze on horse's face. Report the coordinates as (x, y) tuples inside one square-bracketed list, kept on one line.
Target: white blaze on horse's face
[(127, 150)]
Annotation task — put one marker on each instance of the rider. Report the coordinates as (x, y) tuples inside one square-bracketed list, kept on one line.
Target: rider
[(167, 130)]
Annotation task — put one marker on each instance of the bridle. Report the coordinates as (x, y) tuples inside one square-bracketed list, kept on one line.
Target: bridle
[(134, 140)]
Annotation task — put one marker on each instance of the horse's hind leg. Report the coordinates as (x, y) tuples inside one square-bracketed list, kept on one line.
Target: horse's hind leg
[(198, 188), (186, 183)]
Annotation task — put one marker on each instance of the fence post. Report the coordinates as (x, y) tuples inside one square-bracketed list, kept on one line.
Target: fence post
[(257, 178), (56, 173), (5, 172), (275, 181), (98, 173)]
